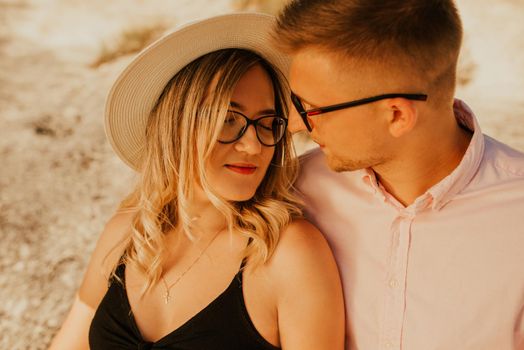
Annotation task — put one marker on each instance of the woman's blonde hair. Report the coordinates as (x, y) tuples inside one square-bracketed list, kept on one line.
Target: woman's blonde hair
[(181, 132)]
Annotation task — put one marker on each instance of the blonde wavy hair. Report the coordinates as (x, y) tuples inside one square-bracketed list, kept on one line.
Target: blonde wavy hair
[(181, 132)]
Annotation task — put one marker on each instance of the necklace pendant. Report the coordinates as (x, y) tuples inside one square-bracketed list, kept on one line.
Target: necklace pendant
[(167, 297)]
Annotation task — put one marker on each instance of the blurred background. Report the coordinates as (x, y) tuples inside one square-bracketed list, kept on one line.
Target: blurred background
[(60, 181)]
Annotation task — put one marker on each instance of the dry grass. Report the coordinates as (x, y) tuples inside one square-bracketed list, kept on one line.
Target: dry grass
[(131, 41)]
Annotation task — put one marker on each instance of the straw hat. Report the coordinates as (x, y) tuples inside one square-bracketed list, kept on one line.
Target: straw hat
[(138, 87)]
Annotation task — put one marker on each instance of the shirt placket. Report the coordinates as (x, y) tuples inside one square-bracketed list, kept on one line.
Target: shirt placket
[(395, 283)]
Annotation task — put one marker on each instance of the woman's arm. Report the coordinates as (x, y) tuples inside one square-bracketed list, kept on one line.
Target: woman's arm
[(310, 299), (73, 335), (74, 331)]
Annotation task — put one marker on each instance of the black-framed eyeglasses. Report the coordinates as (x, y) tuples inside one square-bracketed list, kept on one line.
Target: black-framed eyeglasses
[(270, 129), (304, 114)]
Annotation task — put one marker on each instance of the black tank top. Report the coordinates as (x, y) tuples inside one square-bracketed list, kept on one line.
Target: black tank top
[(223, 324)]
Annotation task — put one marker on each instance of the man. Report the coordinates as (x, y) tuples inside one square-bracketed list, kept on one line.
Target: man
[(424, 213)]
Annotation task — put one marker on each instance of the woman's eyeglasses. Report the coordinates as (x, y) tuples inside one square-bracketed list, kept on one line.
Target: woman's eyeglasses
[(304, 114), (270, 129)]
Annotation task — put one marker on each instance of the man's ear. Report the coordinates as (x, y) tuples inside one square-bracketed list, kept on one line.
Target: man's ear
[(402, 116)]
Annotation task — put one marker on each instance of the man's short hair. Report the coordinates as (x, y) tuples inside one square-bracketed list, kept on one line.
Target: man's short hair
[(424, 35)]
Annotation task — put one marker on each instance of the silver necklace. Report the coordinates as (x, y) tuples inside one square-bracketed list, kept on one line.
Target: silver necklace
[(167, 295)]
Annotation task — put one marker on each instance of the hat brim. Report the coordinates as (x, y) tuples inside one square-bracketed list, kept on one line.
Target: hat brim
[(138, 87)]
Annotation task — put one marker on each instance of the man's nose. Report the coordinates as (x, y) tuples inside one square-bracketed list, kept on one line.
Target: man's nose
[(295, 122), (249, 142)]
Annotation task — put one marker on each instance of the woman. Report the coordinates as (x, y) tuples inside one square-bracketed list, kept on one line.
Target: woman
[(209, 251)]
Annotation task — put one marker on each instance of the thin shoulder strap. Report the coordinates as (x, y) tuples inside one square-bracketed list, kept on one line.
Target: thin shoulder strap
[(244, 261), (119, 275), (120, 270), (243, 264)]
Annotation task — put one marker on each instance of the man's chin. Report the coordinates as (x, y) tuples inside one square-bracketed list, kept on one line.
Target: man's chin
[(342, 165)]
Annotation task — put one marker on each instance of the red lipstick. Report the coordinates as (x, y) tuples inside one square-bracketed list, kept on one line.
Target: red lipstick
[(242, 168)]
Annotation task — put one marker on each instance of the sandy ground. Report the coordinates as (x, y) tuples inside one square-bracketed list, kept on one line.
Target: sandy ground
[(59, 180)]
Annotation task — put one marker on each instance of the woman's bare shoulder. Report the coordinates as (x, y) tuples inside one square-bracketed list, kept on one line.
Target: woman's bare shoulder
[(114, 236), (301, 250), (108, 251), (308, 290)]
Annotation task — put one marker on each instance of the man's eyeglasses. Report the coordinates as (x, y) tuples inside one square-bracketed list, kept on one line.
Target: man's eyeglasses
[(304, 114), (270, 129)]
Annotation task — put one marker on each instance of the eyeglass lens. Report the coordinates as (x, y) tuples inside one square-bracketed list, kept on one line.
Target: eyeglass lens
[(269, 129)]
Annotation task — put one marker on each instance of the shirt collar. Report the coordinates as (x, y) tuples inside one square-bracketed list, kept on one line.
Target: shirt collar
[(444, 191)]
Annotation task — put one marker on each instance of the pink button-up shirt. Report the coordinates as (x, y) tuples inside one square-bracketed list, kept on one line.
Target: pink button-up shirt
[(446, 272)]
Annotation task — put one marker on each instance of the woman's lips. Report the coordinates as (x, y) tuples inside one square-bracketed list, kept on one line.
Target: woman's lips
[(244, 169)]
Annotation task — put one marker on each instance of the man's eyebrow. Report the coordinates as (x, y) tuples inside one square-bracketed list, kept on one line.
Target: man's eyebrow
[(243, 108)]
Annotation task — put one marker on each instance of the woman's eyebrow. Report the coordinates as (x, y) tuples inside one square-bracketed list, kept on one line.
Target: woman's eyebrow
[(243, 108)]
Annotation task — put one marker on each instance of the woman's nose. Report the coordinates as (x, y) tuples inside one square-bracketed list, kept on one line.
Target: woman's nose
[(249, 142)]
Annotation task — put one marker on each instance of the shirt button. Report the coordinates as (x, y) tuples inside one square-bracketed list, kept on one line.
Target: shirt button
[(393, 283), (388, 344)]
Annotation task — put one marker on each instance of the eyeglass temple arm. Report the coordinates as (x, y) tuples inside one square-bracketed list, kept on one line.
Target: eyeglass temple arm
[(416, 97)]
